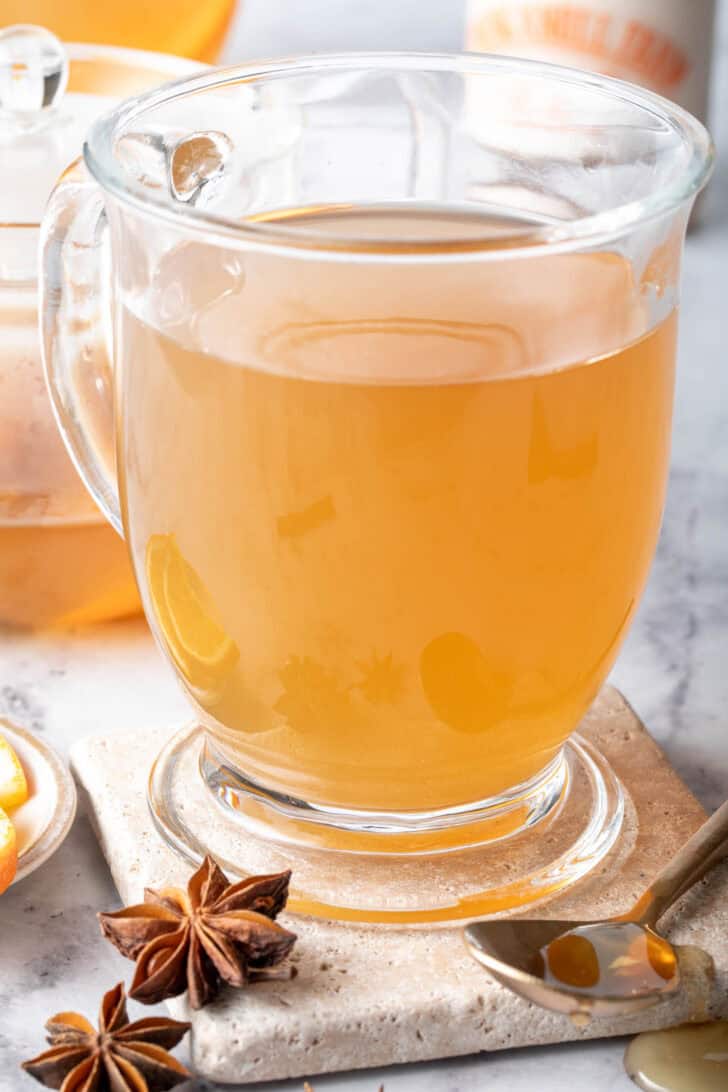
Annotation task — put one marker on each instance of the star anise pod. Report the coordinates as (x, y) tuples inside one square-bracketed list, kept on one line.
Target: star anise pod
[(119, 1057), (215, 932)]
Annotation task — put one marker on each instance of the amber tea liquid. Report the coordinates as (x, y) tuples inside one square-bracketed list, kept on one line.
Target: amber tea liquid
[(392, 520), (189, 28), (60, 561)]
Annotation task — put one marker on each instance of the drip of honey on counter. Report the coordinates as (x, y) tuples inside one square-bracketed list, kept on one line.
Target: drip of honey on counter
[(581, 1018), (610, 959), (690, 1058)]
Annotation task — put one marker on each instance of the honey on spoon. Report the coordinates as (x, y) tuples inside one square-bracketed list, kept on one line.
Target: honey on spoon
[(614, 967)]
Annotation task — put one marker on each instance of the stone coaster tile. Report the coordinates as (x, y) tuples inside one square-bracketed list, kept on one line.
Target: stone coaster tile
[(372, 996)]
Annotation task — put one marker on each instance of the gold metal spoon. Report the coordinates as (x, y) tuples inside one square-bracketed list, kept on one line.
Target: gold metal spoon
[(616, 966)]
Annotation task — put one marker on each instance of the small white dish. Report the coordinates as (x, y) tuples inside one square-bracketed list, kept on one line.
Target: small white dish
[(44, 820)]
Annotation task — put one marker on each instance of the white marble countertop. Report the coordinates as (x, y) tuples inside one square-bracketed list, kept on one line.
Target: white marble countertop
[(673, 667)]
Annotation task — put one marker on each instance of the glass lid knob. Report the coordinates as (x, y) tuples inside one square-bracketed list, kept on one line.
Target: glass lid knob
[(33, 76)]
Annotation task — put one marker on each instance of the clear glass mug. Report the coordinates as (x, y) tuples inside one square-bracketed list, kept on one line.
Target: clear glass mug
[(393, 342)]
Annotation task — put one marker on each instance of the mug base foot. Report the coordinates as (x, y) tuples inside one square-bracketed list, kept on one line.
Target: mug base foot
[(400, 868)]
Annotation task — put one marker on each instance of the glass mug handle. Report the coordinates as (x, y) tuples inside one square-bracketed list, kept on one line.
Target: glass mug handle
[(76, 330)]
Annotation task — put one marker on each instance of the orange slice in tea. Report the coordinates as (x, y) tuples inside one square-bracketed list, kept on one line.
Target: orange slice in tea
[(187, 617), (462, 687), (8, 852), (13, 783)]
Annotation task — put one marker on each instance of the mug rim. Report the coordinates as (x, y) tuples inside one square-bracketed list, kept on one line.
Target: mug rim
[(592, 229)]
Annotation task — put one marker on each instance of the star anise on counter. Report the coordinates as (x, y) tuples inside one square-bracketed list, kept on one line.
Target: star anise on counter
[(119, 1057), (214, 932)]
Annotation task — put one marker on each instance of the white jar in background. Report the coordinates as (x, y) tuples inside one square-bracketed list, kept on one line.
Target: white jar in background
[(665, 45)]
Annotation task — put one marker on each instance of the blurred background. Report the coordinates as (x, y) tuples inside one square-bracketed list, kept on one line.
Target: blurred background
[(665, 44)]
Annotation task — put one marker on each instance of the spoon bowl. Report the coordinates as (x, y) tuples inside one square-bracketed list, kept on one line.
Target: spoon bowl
[(512, 951), (611, 967)]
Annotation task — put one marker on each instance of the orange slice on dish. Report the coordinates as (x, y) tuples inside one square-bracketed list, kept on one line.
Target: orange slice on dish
[(188, 620), (13, 783), (8, 852)]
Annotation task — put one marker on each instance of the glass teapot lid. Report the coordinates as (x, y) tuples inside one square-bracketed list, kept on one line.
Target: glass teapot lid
[(49, 95), (41, 131)]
